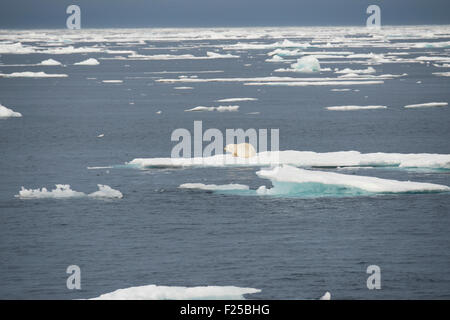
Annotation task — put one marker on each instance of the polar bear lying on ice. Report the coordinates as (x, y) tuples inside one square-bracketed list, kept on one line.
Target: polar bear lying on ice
[(242, 150)]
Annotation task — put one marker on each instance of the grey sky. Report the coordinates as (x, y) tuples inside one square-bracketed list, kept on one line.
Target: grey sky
[(205, 13)]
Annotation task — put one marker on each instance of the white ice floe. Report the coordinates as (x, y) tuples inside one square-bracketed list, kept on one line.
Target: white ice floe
[(291, 180), (275, 58), (352, 108), (236, 99), (442, 74), (285, 52), (183, 88), (209, 55), (87, 62), (341, 90), (306, 64), (112, 81), (201, 186), (427, 105), (219, 108), (50, 62), (8, 113), (360, 71), (306, 159), (64, 191), (30, 74), (154, 292), (326, 296)]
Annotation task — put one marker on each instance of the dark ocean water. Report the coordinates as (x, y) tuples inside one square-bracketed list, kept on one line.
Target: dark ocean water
[(160, 234)]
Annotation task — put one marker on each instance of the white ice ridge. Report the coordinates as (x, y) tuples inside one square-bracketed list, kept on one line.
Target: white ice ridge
[(62, 191), (219, 109), (212, 187), (87, 62), (30, 74), (427, 105), (8, 113), (294, 175), (236, 99), (154, 292), (306, 159), (351, 108)]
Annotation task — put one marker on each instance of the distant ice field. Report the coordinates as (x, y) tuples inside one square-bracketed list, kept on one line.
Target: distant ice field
[(362, 177)]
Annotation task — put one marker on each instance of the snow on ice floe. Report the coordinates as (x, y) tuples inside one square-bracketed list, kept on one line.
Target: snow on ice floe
[(442, 74), (352, 108), (87, 62), (154, 292), (212, 187), (50, 62), (30, 74), (62, 191), (8, 113), (288, 180), (236, 99), (219, 109), (305, 159), (306, 64), (209, 55), (427, 105)]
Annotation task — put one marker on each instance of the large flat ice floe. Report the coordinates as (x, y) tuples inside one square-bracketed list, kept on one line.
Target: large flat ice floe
[(219, 109), (305, 159), (352, 108), (154, 292), (30, 74), (63, 191), (427, 105), (8, 113), (288, 180), (88, 62)]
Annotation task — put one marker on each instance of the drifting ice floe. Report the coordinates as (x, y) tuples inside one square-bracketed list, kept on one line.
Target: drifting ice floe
[(306, 64), (326, 296), (30, 74), (88, 62), (8, 113), (183, 88), (50, 62), (442, 74), (351, 108), (289, 180), (305, 159), (64, 191), (154, 292), (427, 105), (112, 81), (201, 186), (219, 108), (361, 71), (236, 99)]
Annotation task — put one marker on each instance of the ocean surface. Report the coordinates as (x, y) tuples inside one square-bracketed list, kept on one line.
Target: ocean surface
[(81, 131)]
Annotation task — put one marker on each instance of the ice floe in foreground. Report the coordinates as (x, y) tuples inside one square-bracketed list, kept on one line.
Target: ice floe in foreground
[(305, 159), (154, 292), (427, 105), (8, 113), (288, 180), (62, 191)]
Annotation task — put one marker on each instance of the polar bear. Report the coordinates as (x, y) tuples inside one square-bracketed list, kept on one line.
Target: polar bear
[(242, 150)]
